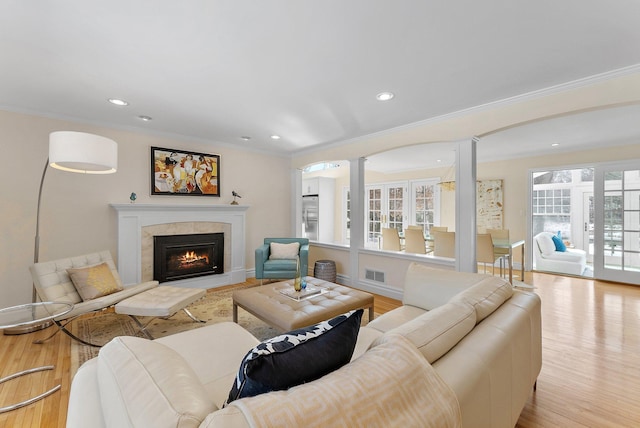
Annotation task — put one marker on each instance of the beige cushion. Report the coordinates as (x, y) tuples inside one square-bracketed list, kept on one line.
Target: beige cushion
[(93, 281), (486, 296), (366, 336), (395, 318), (428, 288), (163, 301), (283, 251), (200, 349), (147, 384), (435, 332)]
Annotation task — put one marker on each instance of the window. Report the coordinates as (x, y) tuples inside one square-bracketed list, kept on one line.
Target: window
[(395, 207), (551, 210), (561, 176), (374, 215), (346, 220), (425, 198)]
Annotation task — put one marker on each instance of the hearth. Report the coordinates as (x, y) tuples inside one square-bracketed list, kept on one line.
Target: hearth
[(187, 256)]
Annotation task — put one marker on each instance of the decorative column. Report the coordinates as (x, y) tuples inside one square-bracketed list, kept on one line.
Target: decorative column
[(356, 186), (466, 206)]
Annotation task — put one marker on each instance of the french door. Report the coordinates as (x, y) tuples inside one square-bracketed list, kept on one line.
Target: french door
[(588, 222), (386, 207), (617, 222)]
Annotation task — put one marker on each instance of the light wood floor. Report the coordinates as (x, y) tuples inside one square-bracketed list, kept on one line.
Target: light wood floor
[(590, 375)]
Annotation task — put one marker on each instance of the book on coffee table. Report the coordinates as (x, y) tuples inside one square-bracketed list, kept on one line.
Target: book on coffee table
[(302, 294)]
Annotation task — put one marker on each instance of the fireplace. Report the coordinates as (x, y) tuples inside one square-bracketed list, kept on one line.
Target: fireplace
[(178, 257)]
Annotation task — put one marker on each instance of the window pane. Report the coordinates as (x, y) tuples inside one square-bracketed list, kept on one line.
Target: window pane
[(632, 241), (632, 200), (587, 174)]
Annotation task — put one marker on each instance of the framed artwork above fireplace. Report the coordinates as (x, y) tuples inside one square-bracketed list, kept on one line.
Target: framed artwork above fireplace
[(179, 172)]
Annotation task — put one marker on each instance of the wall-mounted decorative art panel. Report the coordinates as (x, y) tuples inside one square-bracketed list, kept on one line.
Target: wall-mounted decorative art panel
[(489, 204), (178, 172)]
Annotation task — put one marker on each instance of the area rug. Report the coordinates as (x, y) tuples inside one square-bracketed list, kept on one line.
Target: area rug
[(215, 307)]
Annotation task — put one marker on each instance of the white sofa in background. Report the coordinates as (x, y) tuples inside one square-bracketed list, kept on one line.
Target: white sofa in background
[(572, 262), (463, 350)]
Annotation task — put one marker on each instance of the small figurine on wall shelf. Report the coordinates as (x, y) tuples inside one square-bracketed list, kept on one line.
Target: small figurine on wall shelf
[(133, 197), (235, 195)]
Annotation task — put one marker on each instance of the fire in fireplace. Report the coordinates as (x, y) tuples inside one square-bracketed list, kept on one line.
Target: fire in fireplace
[(187, 256)]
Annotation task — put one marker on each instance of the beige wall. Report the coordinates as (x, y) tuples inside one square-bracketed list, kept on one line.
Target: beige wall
[(75, 213), (339, 255)]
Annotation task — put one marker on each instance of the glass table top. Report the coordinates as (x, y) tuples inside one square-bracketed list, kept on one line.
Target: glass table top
[(32, 313)]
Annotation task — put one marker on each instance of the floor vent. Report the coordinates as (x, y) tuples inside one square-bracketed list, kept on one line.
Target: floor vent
[(374, 275)]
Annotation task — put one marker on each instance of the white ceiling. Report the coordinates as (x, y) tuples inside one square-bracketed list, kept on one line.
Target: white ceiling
[(217, 70), (611, 127)]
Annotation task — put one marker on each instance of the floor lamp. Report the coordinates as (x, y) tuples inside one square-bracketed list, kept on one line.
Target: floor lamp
[(72, 152)]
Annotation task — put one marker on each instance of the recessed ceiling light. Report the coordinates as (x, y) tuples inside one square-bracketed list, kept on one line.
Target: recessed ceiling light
[(145, 118), (555, 144), (384, 96), (245, 138), (439, 160), (118, 102), (275, 137)]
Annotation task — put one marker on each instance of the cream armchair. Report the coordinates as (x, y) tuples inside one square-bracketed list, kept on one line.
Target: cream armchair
[(53, 283)]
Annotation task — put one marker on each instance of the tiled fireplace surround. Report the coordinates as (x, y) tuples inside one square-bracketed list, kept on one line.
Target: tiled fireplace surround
[(138, 223)]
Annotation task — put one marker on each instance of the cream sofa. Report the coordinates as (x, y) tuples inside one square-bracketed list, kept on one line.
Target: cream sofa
[(572, 262), (463, 350)]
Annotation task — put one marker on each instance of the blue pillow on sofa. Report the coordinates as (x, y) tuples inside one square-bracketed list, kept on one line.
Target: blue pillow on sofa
[(559, 244), (296, 357)]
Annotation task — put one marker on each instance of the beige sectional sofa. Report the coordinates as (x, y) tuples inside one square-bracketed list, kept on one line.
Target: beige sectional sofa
[(463, 350)]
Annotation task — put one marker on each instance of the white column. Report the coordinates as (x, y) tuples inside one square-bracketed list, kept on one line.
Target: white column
[(356, 189), (296, 202), (466, 206)]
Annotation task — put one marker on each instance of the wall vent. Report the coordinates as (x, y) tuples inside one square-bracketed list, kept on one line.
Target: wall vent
[(374, 275)]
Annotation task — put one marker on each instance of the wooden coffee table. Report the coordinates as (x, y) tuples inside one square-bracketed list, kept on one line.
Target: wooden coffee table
[(278, 310)]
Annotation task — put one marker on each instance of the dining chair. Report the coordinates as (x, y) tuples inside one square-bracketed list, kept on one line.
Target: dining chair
[(502, 234), (438, 229), (444, 244), (390, 239), (433, 229), (485, 251), (414, 241)]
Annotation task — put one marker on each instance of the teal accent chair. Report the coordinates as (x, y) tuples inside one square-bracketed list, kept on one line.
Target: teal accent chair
[(282, 268)]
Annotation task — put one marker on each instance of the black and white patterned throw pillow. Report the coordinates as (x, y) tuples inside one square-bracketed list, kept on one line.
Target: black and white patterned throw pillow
[(296, 357)]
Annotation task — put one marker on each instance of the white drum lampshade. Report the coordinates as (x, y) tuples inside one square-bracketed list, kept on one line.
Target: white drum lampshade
[(83, 153)]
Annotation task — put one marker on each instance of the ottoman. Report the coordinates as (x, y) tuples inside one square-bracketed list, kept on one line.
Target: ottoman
[(159, 302), (285, 313)]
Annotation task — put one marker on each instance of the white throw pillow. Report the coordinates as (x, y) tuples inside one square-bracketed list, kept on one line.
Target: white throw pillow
[(284, 251)]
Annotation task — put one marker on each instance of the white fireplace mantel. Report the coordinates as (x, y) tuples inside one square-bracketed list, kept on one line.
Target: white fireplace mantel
[(133, 217)]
